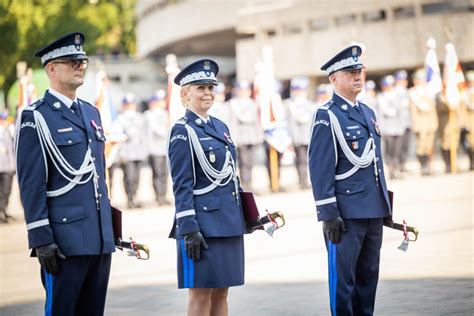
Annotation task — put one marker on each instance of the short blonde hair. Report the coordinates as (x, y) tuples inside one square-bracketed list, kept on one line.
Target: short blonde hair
[(183, 95)]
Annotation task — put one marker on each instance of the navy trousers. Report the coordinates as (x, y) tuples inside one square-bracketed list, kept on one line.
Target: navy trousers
[(79, 288), (354, 267)]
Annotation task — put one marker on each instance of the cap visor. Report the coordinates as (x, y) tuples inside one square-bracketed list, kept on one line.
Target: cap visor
[(204, 81)]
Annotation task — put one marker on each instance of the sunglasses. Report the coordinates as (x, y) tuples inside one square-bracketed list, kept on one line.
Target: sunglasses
[(74, 63)]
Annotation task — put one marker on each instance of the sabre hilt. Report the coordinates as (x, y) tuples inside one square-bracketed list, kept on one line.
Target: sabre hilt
[(140, 251), (402, 227)]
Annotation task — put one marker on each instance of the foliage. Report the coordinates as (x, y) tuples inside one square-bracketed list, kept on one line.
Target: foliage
[(28, 25)]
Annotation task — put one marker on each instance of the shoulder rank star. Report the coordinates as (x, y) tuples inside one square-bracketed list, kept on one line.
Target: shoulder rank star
[(344, 107), (198, 121), (57, 105)]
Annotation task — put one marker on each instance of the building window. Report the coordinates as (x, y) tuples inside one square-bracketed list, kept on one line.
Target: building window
[(404, 12), (345, 19), (446, 6), (319, 24), (374, 16)]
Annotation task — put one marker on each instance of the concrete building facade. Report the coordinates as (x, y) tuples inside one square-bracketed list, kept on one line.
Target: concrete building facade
[(304, 33)]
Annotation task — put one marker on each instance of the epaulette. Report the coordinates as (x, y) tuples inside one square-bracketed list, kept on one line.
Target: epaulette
[(34, 105), (182, 120), (327, 105)]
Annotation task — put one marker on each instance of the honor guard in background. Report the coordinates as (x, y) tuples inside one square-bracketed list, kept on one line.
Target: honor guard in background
[(221, 108), (7, 165), (468, 112), (401, 84), (157, 131), (61, 174), (424, 119), (392, 124), (323, 94), (133, 151), (346, 169), (209, 223), (246, 128), (300, 110), (370, 96), (449, 129)]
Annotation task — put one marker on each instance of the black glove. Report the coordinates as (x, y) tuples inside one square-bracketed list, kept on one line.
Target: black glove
[(47, 257), (333, 228), (193, 242)]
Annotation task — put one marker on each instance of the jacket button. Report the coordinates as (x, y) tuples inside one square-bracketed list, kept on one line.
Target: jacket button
[(93, 158), (100, 195), (69, 141), (233, 193), (64, 219), (205, 207), (348, 191), (90, 140)]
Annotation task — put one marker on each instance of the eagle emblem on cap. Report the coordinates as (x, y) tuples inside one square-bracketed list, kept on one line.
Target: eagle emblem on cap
[(77, 39), (207, 65)]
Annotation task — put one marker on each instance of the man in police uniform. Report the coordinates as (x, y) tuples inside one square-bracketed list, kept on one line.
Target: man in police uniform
[(157, 130), (392, 124), (401, 84), (133, 150), (7, 166), (246, 130), (300, 110), (61, 174), (349, 188)]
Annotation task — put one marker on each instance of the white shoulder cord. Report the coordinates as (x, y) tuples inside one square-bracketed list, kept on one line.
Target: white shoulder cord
[(46, 141), (367, 157)]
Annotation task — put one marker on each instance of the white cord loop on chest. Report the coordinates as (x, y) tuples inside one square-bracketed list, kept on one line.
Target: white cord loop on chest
[(216, 177), (368, 155), (73, 176)]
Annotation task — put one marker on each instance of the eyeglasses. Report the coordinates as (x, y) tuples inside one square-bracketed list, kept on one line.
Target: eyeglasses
[(74, 63)]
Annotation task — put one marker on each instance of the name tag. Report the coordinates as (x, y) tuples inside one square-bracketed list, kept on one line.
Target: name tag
[(353, 127), (65, 130), (206, 138)]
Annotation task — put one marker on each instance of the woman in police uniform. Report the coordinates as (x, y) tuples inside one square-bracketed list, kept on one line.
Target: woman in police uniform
[(209, 224)]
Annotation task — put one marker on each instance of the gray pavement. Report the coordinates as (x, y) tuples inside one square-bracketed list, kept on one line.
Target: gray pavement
[(286, 274)]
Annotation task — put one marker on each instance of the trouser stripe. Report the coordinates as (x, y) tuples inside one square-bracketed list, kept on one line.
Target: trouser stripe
[(184, 257), (332, 276), (49, 293)]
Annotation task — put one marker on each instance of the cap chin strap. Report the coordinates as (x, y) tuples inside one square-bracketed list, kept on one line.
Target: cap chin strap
[(365, 160), (72, 175)]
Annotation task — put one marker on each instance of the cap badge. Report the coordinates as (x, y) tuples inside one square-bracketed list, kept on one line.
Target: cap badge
[(207, 65), (77, 39)]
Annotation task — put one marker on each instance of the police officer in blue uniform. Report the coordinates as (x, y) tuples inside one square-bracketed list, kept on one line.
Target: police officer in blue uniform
[(346, 170), (209, 224), (61, 174)]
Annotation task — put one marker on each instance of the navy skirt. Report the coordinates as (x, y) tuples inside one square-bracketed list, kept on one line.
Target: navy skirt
[(221, 266)]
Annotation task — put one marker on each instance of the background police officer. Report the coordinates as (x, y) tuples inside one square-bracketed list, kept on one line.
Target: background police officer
[(392, 123), (60, 164), (468, 108), (157, 130), (133, 150), (424, 119), (300, 110), (401, 84), (246, 130), (7, 165), (346, 169)]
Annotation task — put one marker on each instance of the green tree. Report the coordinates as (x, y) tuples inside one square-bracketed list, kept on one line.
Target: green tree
[(28, 25)]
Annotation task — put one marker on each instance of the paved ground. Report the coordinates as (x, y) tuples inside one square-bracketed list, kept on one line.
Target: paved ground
[(286, 274)]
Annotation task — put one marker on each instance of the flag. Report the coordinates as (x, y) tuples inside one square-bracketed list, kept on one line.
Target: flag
[(104, 101), (174, 106), (454, 84), (272, 113), (433, 73)]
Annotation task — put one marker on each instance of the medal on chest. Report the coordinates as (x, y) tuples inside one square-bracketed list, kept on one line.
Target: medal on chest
[(355, 145), (228, 137), (212, 157), (376, 126)]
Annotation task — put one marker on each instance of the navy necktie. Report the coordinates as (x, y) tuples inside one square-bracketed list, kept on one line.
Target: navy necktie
[(76, 110)]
